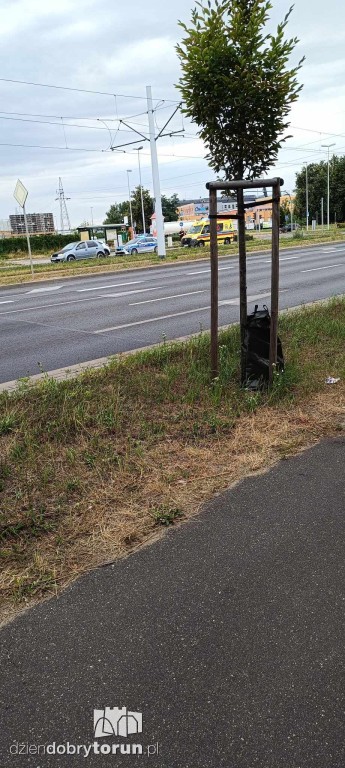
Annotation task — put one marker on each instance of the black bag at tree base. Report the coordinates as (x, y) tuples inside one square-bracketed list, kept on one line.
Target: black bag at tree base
[(256, 347)]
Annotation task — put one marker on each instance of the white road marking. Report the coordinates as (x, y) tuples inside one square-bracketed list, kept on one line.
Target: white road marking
[(6, 302), (105, 287), (179, 314), (48, 288), (200, 272), (151, 320), (45, 306), (128, 293), (329, 266), (257, 297), (328, 250), (165, 298), (288, 258), (208, 271)]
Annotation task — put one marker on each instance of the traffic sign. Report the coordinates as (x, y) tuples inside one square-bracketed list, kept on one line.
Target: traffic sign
[(20, 193)]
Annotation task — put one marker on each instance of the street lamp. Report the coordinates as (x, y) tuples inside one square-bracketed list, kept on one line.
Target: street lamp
[(327, 146), (130, 202), (141, 192), (306, 194)]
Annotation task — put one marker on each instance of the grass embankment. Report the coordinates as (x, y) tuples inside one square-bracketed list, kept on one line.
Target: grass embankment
[(92, 467), (12, 273)]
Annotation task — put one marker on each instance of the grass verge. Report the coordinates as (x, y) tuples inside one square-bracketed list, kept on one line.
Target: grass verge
[(93, 467), (12, 273)]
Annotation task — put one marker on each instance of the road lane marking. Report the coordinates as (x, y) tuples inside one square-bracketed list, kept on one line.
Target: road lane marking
[(165, 298), (208, 271), (129, 293), (151, 320), (236, 302), (329, 266), (328, 250), (288, 258), (45, 306), (105, 287), (6, 302), (179, 314), (44, 290)]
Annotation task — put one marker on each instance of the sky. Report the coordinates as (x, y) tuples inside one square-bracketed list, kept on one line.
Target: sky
[(120, 48)]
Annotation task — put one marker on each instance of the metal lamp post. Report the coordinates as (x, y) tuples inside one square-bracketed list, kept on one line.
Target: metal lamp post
[(130, 202), (141, 191), (306, 194), (327, 146)]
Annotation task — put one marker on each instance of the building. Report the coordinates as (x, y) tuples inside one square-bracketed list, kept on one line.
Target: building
[(38, 223), (5, 228), (192, 210)]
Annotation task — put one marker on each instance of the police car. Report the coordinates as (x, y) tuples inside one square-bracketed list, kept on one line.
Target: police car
[(140, 244)]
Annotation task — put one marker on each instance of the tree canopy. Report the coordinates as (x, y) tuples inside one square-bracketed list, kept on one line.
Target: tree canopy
[(236, 84), (116, 213), (118, 210), (317, 188), (169, 207)]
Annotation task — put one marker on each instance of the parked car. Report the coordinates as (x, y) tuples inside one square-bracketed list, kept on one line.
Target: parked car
[(287, 227), (86, 249), (103, 245), (139, 244)]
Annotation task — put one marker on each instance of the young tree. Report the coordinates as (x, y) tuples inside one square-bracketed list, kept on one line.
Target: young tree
[(317, 189), (285, 213), (116, 213), (137, 210), (238, 88), (236, 84), (169, 207)]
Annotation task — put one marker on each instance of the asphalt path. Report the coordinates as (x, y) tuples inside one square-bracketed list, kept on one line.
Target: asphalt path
[(227, 635), (55, 324)]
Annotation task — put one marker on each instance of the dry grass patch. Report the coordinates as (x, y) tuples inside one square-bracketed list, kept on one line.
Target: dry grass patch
[(93, 467)]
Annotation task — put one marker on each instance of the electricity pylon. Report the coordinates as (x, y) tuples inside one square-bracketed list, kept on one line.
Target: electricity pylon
[(65, 224)]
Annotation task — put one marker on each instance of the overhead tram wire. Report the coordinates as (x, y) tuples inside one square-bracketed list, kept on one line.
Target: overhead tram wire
[(82, 90)]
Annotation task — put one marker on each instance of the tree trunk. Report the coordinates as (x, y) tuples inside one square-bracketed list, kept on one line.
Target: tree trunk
[(243, 275)]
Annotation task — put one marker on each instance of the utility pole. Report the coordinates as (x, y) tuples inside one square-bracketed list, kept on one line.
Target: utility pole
[(155, 178), (92, 217), (141, 192), (65, 224), (327, 146), (130, 202), (322, 213)]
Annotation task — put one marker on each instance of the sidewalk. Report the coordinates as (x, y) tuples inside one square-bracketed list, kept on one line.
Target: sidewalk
[(227, 634)]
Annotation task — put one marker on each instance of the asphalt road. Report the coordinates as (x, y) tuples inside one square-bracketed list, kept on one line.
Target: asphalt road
[(61, 323), (227, 634)]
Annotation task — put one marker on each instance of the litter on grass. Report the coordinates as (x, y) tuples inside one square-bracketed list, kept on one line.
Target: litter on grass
[(331, 380)]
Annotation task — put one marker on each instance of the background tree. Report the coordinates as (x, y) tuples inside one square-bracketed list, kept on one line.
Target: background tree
[(169, 207), (116, 213), (136, 208), (237, 87), (285, 211), (317, 188)]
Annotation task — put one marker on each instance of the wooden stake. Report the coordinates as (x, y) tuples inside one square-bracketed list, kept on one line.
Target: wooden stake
[(274, 281), (241, 232), (214, 282)]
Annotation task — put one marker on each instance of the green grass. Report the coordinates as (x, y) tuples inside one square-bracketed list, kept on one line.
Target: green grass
[(90, 466)]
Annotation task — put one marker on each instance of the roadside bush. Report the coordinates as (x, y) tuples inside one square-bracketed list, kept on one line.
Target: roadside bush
[(38, 243)]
